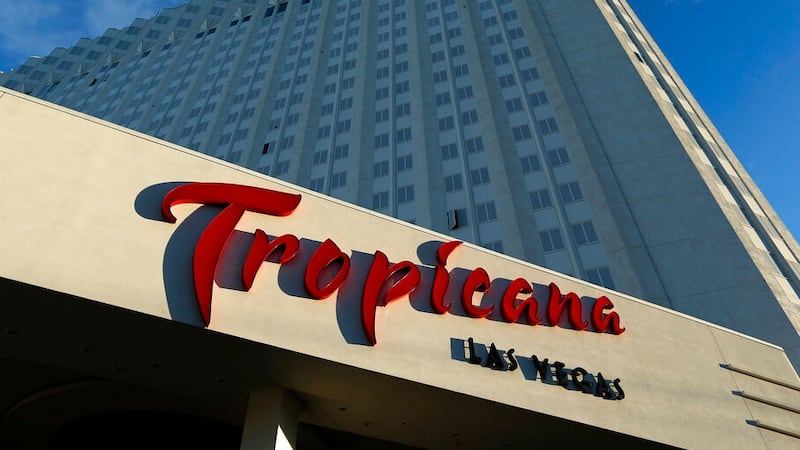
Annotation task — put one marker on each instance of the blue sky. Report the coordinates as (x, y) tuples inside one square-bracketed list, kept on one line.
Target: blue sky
[(34, 27), (740, 59)]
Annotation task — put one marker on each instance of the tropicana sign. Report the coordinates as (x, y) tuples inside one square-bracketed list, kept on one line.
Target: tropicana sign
[(328, 266)]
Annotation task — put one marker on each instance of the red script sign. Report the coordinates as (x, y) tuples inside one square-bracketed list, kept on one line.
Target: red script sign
[(385, 281)]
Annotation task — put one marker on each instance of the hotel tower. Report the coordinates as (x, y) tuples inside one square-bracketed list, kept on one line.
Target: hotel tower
[(551, 131), (386, 199)]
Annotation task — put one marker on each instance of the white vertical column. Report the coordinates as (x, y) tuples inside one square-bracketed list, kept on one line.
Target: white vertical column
[(271, 421)]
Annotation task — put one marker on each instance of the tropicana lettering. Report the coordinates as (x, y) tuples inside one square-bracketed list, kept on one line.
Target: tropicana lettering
[(385, 281)]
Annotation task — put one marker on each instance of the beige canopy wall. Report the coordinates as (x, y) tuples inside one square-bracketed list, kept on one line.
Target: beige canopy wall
[(97, 290)]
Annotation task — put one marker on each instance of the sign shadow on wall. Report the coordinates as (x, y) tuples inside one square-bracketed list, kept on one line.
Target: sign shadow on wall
[(359, 282)]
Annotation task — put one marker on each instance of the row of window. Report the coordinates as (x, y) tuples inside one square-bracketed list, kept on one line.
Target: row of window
[(337, 180), (583, 233), (380, 200), (403, 163)]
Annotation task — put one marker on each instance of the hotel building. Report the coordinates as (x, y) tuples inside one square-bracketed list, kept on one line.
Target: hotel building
[(552, 132)]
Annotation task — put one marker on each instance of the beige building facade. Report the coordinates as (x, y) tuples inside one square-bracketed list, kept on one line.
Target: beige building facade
[(553, 131), (142, 307)]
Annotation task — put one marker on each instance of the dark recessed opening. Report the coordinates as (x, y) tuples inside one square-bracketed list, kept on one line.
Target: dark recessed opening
[(145, 430)]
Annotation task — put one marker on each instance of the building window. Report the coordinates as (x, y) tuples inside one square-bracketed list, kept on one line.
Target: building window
[(446, 123), (469, 117), (287, 142), (514, 105), (320, 157), (281, 168), (501, 59), (382, 140), (240, 134), (404, 163), (539, 98), (522, 53), (338, 180), (443, 99), (403, 135), (521, 133), (530, 164), (479, 176), (403, 110), (474, 145), (457, 218), (292, 119), (495, 245), (453, 183), (515, 33), (584, 233), (401, 88), (461, 71), (570, 192), (548, 126), (341, 152), (600, 276), (530, 74), (464, 92), (507, 81), (551, 240), (343, 126), (380, 200), (381, 116), (323, 132), (348, 83), (380, 169), (449, 151), (405, 194), (540, 199), (558, 156), (486, 212)]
